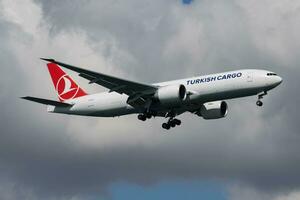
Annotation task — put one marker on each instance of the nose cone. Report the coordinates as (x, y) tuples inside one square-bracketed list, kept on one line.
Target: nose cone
[(272, 80), (279, 80), (275, 81)]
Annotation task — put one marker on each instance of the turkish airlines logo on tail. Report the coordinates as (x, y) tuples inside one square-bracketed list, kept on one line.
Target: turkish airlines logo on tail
[(66, 88)]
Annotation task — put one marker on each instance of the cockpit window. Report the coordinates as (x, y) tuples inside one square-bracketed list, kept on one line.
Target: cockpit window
[(271, 74)]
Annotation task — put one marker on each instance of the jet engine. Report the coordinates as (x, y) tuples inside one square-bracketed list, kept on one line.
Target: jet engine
[(213, 110), (171, 95)]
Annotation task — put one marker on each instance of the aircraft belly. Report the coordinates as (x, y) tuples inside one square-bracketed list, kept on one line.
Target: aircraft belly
[(223, 94), (112, 110), (102, 105)]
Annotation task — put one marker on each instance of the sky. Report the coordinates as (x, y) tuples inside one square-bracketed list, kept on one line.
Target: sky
[(250, 154), (170, 190), (187, 1)]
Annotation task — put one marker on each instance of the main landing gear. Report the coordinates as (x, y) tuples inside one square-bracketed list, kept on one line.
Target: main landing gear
[(171, 123), (260, 96), (146, 115)]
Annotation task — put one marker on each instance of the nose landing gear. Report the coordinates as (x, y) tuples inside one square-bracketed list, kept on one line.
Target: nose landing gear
[(260, 96), (259, 103)]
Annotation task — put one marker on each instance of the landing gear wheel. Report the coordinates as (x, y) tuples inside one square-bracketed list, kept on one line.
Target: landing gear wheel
[(259, 103), (172, 123), (148, 115), (177, 121), (142, 117), (166, 126)]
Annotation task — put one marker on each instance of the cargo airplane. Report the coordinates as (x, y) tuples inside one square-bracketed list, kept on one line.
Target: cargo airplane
[(201, 95)]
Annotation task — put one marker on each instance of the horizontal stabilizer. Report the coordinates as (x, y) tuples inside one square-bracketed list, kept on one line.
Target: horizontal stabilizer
[(46, 101)]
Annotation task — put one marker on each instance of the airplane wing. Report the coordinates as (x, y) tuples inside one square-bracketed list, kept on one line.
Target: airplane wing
[(137, 92)]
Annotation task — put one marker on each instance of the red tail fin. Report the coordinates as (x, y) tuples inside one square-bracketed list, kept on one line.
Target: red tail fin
[(64, 85)]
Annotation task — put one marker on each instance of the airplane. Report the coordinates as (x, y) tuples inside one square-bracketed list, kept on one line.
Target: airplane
[(201, 95)]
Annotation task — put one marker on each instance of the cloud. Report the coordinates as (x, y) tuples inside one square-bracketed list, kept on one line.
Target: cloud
[(243, 192), (64, 157)]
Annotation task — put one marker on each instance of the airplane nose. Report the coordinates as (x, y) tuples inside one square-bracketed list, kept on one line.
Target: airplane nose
[(279, 80)]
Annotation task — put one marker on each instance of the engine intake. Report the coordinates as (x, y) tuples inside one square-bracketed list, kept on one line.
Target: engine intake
[(213, 110), (171, 95)]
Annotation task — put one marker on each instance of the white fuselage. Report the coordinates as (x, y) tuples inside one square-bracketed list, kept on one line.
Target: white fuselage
[(201, 89)]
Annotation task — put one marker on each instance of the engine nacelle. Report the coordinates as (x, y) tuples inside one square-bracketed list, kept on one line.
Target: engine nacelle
[(213, 110), (171, 95)]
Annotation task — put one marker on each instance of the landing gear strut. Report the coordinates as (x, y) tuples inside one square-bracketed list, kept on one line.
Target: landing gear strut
[(260, 96)]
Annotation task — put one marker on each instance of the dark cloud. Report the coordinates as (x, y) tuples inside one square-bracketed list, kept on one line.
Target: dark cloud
[(55, 156)]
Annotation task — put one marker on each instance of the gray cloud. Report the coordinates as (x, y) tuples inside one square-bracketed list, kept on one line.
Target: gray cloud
[(56, 156)]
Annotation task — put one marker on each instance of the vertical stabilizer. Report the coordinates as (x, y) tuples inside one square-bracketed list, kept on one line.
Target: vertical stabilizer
[(64, 85)]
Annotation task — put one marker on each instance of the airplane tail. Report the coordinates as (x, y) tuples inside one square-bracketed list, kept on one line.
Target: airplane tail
[(64, 85)]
